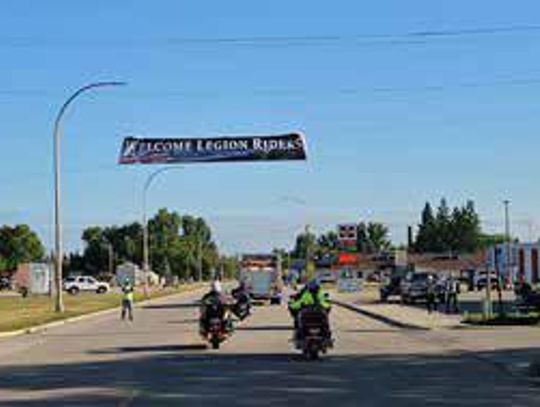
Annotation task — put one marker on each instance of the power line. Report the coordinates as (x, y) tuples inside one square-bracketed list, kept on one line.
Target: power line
[(412, 37), (280, 92)]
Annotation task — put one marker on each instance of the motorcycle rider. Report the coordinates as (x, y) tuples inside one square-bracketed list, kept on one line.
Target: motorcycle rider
[(241, 296), (127, 299), (310, 296), (217, 302), (240, 292)]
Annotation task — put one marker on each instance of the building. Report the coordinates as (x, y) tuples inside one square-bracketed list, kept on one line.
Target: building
[(516, 261), (135, 274), (34, 278)]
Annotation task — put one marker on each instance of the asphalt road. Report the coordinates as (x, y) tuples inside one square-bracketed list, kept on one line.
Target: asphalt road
[(160, 360)]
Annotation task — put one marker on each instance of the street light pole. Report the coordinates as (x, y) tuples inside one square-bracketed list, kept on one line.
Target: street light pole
[(111, 258), (199, 257), (59, 304), (507, 234), (146, 250), (308, 254)]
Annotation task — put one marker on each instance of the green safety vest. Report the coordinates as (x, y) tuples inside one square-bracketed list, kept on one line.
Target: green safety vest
[(128, 293), (307, 299)]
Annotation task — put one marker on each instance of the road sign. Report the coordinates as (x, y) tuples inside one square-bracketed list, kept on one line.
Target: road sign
[(348, 259), (348, 237), (347, 233)]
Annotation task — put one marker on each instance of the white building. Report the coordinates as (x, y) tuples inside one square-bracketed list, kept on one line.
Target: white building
[(135, 274)]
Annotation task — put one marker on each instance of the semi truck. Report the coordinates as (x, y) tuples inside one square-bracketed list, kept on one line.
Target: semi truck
[(262, 275)]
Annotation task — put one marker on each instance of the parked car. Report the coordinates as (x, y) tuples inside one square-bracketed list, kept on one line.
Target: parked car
[(481, 281), (5, 283), (74, 285), (326, 276), (391, 288), (527, 298), (414, 287)]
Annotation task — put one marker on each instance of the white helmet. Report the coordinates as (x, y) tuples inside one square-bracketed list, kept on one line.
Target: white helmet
[(216, 286)]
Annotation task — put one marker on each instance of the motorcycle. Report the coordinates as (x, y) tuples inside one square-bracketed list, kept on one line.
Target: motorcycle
[(218, 326), (242, 307), (312, 335)]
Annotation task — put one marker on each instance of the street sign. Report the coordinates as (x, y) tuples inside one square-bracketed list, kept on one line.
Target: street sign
[(347, 233), (348, 237), (348, 259)]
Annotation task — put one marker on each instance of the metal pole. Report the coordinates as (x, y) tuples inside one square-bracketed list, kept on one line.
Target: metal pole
[(146, 249), (111, 259), (59, 304), (199, 248), (507, 234), (308, 254), (508, 252)]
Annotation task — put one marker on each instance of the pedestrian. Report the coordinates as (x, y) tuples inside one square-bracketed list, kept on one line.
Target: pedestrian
[(431, 296), (127, 299), (452, 291)]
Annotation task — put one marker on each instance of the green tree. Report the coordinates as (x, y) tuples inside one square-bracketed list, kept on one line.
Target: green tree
[(177, 244), (426, 230), (378, 237), (19, 244), (443, 228), (456, 231), (305, 242), (363, 243), (372, 237)]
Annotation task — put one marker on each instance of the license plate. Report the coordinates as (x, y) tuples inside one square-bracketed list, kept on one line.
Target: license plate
[(314, 331)]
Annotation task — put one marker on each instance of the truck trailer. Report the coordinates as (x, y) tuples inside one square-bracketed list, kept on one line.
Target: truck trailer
[(262, 275)]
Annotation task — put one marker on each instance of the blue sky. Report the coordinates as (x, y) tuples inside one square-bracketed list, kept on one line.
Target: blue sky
[(391, 121)]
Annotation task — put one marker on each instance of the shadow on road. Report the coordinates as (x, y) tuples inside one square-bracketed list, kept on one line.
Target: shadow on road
[(171, 306), (265, 328), (184, 377), (147, 349)]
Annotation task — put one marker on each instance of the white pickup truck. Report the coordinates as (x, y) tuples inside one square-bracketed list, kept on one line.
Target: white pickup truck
[(74, 285)]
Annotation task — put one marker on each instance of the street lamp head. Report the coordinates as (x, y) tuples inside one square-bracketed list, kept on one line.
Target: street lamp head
[(115, 83)]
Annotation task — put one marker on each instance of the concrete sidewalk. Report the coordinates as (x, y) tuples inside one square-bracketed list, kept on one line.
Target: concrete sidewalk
[(402, 316)]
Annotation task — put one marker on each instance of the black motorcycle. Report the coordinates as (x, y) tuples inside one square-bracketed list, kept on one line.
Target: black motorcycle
[(312, 334), (216, 325), (242, 307)]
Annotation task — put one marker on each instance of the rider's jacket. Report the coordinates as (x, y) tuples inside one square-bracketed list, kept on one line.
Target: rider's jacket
[(307, 298)]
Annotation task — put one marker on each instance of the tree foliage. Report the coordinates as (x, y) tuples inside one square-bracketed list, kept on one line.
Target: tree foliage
[(19, 244), (177, 246), (372, 237), (457, 230)]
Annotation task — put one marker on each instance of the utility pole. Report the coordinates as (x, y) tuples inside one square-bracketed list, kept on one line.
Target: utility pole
[(58, 244), (507, 233), (199, 257), (146, 249), (308, 254), (508, 256), (111, 258)]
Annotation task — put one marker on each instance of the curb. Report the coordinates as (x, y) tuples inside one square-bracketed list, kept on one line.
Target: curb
[(54, 324), (386, 320)]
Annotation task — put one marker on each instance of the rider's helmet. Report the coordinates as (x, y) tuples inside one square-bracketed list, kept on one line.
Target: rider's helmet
[(216, 286), (313, 286)]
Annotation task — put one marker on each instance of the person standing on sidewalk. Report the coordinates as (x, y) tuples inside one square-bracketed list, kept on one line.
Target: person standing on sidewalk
[(452, 291), (431, 295), (127, 299)]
